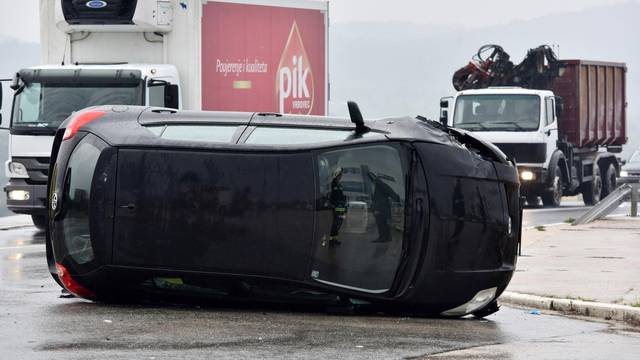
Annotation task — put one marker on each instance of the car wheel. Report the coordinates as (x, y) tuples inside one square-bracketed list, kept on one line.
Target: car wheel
[(609, 181), (40, 221), (552, 198), (591, 190)]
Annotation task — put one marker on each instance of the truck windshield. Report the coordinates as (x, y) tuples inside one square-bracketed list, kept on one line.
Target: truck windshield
[(45, 106), (497, 112)]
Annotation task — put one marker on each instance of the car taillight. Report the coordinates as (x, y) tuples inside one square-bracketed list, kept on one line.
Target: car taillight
[(73, 285), (79, 120)]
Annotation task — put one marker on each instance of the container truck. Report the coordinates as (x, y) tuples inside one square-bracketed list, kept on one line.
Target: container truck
[(563, 125), (240, 55)]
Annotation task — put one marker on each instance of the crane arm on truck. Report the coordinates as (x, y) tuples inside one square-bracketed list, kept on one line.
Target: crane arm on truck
[(491, 66)]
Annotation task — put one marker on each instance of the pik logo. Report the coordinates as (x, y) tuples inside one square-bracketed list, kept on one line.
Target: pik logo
[(294, 78)]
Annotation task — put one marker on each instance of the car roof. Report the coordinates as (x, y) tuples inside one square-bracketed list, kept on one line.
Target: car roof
[(128, 126)]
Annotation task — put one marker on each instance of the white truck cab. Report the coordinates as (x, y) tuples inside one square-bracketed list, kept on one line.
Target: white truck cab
[(523, 123), (46, 95)]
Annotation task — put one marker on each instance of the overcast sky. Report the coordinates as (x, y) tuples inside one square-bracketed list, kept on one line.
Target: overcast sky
[(19, 18)]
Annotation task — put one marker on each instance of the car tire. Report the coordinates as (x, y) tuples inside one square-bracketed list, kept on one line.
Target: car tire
[(591, 190), (609, 181), (553, 198), (40, 221)]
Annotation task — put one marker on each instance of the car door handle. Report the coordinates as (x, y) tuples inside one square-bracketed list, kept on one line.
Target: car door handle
[(129, 206)]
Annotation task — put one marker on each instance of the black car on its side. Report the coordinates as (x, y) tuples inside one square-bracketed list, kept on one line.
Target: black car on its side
[(400, 214)]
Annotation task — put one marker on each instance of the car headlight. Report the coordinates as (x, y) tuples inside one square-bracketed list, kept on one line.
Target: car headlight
[(481, 299), (624, 173), (527, 175), (18, 170)]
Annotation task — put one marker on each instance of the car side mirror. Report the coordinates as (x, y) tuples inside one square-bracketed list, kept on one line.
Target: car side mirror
[(1, 90), (171, 96), (559, 107), (171, 93)]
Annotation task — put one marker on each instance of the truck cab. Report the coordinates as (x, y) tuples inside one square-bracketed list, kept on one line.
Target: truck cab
[(46, 95), (524, 124)]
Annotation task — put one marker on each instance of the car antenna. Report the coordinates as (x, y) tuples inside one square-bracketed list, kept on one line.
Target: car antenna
[(356, 117)]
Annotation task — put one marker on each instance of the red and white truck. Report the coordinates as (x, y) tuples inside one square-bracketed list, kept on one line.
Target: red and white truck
[(231, 55)]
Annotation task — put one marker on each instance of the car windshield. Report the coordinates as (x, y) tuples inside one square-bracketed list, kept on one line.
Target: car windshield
[(497, 112), (44, 105)]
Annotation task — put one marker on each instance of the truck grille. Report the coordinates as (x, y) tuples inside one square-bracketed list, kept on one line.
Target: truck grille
[(37, 168), (525, 153)]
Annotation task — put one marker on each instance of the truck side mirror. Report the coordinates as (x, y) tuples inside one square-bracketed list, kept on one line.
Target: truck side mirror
[(171, 96), (444, 116), (444, 112), (559, 107)]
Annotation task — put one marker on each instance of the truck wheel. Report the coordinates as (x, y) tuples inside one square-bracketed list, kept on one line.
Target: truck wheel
[(552, 198), (591, 190), (609, 181), (40, 221), (532, 200)]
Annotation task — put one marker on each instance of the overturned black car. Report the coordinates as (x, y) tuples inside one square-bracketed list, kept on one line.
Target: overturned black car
[(401, 213)]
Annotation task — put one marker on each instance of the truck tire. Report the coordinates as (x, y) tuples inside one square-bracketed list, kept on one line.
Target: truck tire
[(609, 181), (532, 200), (40, 221), (552, 198), (591, 190)]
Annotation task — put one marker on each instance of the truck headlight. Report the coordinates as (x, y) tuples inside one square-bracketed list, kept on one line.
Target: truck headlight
[(527, 175), (17, 170), (624, 173), (18, 195)]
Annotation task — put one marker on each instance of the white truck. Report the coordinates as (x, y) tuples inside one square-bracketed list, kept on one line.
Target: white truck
[(562, 145), (238, 55), (562, 121)]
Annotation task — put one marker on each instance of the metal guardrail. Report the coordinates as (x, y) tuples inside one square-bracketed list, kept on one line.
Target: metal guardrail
[(611, 202)]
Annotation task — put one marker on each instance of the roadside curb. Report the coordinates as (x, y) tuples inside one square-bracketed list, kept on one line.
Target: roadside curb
[(14, 222), (11, 227), (624, 313)]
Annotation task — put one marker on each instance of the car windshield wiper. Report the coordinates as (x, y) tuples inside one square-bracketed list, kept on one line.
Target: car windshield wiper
[(510, 123), (478, 124)]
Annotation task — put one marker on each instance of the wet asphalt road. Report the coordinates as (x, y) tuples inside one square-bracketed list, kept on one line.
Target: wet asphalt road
[(36, 324)]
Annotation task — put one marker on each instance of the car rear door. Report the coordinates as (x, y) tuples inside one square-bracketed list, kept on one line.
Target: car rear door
[(215, 211)]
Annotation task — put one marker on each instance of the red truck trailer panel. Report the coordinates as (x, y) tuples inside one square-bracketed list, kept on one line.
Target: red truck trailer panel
[(594, 102), (263, 58)]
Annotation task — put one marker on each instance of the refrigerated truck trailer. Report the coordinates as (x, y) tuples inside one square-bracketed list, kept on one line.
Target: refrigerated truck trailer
[(233, 55), (564, 138)]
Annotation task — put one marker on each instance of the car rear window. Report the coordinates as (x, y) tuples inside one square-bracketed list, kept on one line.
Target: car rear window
[(295, 136), (206, 133), (77, 192)]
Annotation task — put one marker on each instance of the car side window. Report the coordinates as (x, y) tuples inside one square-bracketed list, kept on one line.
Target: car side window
[(360, 207), (550, 118), (156, 95), (266, 135)]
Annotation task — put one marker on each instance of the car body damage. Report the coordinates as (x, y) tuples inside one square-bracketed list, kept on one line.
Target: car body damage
[(401, 214)]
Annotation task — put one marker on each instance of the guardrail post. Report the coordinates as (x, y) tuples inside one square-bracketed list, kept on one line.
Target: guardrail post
[(634, 200)]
